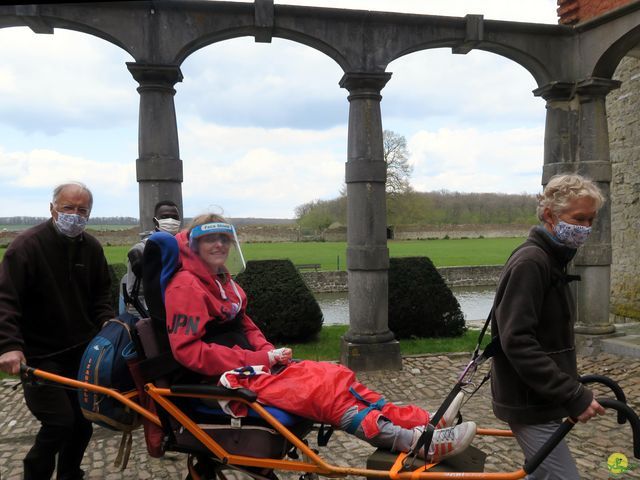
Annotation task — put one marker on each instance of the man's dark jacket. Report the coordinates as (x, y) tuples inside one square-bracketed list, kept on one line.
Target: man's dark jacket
[(535, 379), (54, 292)]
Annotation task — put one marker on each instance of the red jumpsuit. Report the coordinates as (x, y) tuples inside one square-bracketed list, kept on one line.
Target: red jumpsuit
[(198, 303)]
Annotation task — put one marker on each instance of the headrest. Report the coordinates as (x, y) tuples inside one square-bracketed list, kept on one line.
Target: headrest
[(160, 260)]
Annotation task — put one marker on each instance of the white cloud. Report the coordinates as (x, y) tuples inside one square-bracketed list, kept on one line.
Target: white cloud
[(541, 11), (470, 160), (54, 82), (269, 169), (45, 168)]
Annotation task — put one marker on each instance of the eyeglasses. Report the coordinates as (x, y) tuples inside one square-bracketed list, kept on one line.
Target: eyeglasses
[(216, 237), (70, 209)]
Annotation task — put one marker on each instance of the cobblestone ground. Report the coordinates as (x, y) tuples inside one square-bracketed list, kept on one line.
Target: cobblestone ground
[(424, 380)]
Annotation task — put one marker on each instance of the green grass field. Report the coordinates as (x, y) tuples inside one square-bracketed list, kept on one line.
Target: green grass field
[(443, 253), (332, 255), (327, 346)]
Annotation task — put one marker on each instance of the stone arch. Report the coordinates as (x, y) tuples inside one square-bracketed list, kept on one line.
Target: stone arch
[(610, 59), (249, 31), (41, 26), (538, 70)]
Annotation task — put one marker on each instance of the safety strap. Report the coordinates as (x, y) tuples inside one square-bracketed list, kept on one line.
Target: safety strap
[(324, 434), (357, 419), (122, 459), (134, 298)]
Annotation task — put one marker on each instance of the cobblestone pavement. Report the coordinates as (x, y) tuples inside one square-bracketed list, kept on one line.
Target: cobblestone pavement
[(424, 380)]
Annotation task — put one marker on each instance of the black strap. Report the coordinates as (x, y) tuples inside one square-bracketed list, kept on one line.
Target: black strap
[(324, 434), (159, 366), (427, 435)]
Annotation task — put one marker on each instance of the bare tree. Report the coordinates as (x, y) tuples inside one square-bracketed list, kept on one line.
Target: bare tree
[(396, 155)]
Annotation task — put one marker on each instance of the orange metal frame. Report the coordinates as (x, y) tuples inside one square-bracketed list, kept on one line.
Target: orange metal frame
[(315, 463)]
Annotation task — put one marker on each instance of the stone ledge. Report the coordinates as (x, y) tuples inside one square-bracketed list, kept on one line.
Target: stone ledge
[(483, 275)]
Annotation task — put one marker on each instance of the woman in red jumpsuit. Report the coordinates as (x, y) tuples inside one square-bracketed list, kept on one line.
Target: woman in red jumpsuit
[(211, 334)]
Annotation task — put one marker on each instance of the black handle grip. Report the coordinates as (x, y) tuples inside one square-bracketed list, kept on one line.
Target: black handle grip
[(26, 371), (535, 461), (613, 386), (626, 411)]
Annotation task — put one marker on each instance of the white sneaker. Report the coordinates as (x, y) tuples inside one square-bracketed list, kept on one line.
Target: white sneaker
[(446, 442), (451, 413)]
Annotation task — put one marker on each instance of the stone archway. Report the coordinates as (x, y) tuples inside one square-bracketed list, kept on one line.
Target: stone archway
[(160, 34)]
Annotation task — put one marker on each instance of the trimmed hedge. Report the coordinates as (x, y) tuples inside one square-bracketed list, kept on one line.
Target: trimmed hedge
[(279, 302), (420, 302), (116, 272)]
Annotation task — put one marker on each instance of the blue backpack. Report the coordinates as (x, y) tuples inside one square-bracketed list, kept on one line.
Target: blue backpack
[(104, 363)]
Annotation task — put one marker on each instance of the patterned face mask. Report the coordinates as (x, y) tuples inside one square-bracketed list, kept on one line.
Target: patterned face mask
[(71, 224), (572, 236)]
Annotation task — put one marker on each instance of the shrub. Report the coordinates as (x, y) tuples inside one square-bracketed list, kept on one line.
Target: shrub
[(116, 272), (279, 301), (420, 302)]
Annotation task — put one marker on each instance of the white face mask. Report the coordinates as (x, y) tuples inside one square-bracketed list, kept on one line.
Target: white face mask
[(71, 224), (169, 225)]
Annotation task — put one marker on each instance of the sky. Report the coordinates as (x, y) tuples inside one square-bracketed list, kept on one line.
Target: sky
[(263, 127)]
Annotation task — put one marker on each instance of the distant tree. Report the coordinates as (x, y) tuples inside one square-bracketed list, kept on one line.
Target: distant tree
[(396, 155), (319, 214)]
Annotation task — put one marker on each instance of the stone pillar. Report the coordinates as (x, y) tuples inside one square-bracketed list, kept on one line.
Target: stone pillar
[(577, 140), (158, 167), (368, 344)]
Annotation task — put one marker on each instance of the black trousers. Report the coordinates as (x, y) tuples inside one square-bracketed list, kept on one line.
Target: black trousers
[(64, 432)]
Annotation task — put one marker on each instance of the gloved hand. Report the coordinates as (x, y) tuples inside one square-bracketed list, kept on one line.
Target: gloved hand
[(280, 355)]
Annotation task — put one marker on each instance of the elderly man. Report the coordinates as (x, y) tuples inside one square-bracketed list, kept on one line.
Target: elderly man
[(54, 295)]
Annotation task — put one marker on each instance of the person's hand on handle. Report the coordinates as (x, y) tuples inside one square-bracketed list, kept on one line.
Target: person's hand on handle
[(592, 410), (280, 355), (10, 362)]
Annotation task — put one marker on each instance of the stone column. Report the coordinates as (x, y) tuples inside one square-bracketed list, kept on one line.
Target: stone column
[(368, 344), (577, 140), (158, 167)]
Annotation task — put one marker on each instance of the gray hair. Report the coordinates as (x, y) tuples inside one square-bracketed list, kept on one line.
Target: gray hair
[(562, 190), (58, 190)]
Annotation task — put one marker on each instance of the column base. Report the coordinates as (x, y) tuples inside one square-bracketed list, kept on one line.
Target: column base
[(365, 357), (591, 344), (602, 329)]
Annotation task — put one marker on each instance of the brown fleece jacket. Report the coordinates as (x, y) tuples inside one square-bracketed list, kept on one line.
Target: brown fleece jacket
[(535, 379), (54, 292)]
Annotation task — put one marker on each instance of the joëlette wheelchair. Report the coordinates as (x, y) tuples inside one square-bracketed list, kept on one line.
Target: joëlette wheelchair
[(180, 415)]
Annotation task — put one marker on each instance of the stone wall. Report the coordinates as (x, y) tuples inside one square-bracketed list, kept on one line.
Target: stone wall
[(268, 233), (423, 232), (322, 282), (623, 106)]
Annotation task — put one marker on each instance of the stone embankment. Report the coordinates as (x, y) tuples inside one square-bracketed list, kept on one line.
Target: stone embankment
[(324, 282)]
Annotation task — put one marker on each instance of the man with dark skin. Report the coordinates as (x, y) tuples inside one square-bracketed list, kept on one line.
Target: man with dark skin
[(54, 295), (166, 219)]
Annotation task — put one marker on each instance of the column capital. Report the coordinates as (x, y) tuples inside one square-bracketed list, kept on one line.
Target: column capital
[(595, 87), (587, 88), (364, 82), (556, 91), (156, 76)]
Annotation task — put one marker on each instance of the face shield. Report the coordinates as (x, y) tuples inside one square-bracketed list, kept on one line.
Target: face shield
[(235, 261)]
